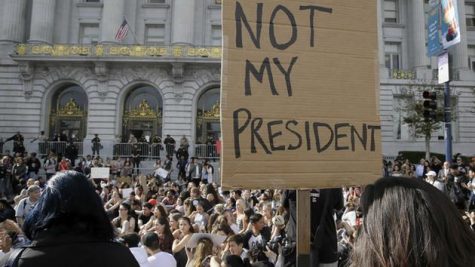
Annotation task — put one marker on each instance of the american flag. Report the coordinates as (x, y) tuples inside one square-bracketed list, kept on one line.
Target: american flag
[(122, 31)]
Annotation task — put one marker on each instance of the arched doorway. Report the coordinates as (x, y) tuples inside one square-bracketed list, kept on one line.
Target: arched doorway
[(142, 115), (68, 118), (208, 127)]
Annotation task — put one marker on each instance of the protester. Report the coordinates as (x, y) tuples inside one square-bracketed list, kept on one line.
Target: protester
[(411, 223), (157, 257), (68, 221)]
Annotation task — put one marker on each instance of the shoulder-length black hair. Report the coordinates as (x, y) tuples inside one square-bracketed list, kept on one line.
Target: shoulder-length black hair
[(410, 223), (69, 204)]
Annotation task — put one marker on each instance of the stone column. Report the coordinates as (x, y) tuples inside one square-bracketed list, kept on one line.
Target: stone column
[(12, 22), (183, 21), (42, 21), (417, 38), (63, 21), (383, 71), (112, 17), (460, 51)]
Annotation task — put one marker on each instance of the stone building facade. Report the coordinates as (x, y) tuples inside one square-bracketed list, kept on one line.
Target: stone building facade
[(62, 70)]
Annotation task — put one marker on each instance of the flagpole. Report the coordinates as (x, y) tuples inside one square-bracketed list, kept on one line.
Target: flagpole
[(133, 32)]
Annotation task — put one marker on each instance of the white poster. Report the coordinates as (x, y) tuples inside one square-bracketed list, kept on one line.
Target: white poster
[(100, 173), (443, 68)]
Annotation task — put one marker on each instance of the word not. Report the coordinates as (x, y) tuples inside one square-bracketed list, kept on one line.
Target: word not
[(254, 34)]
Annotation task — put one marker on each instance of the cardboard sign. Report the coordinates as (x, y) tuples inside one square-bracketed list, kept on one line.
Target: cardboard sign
[(126, 192), (300, 95), (161, 172), (100, 173)]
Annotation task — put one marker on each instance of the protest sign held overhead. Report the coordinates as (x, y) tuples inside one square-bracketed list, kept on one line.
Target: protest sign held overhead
[(300, 94)]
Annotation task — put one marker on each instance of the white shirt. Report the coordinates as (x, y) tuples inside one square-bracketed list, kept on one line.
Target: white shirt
[(141, 256), (24, 207), (162, 259)]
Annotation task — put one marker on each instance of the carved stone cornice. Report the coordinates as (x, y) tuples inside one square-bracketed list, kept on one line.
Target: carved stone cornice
[(26, 76), (102, 74), (178, 70)]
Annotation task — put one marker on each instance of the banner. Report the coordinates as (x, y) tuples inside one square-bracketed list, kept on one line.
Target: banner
[(300, 94)]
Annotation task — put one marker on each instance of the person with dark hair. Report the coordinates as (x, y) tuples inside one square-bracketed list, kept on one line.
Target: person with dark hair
[(411, 223), (145, 215), (162, 229), (157, 257), (69, 227), (457, 187), (185, 232), (236, 246), (71, 152), (126, 222), (169, 143), (255, 239), (34, 165), (323, 203), (96, 145), (132, 242), (18, 146)]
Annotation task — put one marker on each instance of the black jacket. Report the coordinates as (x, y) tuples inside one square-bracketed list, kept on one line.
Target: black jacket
[(74, 251)]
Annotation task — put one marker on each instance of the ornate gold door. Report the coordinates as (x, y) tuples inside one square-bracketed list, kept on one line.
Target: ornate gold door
[(142, 121), (69, 119)]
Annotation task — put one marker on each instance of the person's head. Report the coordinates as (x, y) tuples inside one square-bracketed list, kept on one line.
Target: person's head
[(131, 240), (431, 175), (257, 221), (162, 226), (147, 208), (235, 244), (34, 192), (185, 225), (69, 203), (174, 219), (151, 242), (159, 211), (195, 192), (410, 223), (203, 249), (471, 172), (125, 210), (454, 169)]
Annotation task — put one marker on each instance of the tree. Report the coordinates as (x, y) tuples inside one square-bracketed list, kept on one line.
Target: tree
[(414, 111)]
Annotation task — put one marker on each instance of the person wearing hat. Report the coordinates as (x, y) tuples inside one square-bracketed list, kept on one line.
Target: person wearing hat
[(26, 205), (432, 179), (157, 257)]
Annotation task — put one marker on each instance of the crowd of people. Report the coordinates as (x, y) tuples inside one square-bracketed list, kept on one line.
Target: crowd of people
[(191, 221)]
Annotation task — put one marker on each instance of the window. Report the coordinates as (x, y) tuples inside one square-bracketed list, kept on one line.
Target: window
[(216, 35), (392, 55), (470, 14), (156, 1), (88, 33), (155, 33), (391, 11), (401, 130), (91, 1), (471, 57)]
